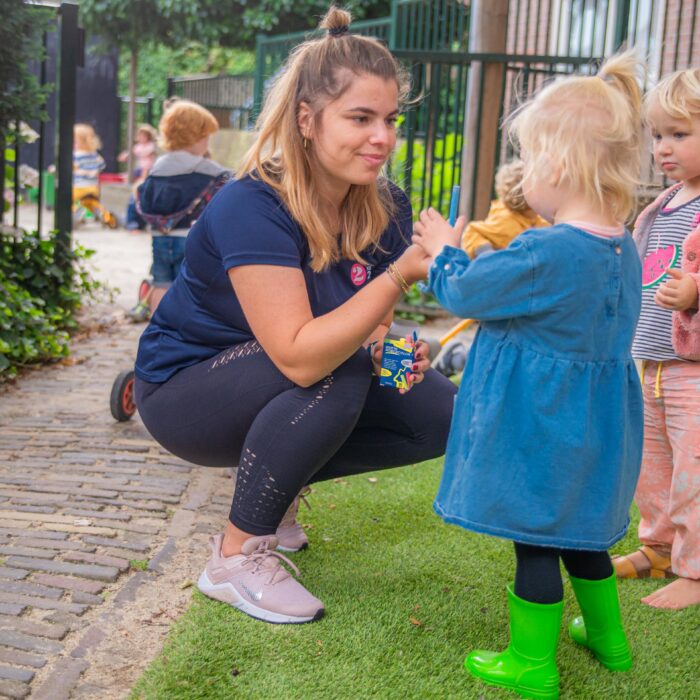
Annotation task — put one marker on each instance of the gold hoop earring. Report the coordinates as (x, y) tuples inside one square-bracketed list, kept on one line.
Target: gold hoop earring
[(305, 143)]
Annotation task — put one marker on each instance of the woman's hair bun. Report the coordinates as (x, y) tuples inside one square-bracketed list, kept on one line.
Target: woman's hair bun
[(336, 21)]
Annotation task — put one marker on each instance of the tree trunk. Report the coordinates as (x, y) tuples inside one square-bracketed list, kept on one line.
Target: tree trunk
[(131, 118)]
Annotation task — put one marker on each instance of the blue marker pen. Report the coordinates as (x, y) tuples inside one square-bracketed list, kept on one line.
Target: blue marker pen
[(454, 204)]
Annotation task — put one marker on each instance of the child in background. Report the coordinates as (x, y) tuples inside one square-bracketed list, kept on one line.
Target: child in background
[(145, 153), (508, 216), (87, 166), (668, 344), (144, 150), (180, 184), (546, 439)]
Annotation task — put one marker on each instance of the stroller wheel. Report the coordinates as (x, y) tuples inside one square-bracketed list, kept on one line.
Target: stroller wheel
[(452, 359), (121, 400)]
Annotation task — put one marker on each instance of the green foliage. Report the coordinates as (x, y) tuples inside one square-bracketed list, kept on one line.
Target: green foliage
[(431, 183), (42, 286), (158, 62), (240, 20), (20, 43)]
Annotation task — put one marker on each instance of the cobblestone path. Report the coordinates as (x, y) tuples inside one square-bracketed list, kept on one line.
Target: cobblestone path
[(101, 531)]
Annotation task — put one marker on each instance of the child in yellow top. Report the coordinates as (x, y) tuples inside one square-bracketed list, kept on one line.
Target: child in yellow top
[(508, 217)]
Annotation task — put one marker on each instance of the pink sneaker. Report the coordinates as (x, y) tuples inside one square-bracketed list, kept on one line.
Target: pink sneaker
[(256, 583), (290, 535)]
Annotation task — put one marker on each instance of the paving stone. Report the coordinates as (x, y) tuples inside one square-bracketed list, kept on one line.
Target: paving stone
[(135, 544), (26, 532), (16, 674), (38, 629), (69, 583), (87, 598), (101, 573), (23, 658), (62, 680), (13, 689), (27, 551), (11, 609), (14, 574), (104, 515), (41, 603), (61, 545), (33, 509), (27, 642), (28, 588), (121, 564)]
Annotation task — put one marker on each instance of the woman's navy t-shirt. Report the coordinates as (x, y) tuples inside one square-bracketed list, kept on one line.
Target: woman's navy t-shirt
[(247, 224)]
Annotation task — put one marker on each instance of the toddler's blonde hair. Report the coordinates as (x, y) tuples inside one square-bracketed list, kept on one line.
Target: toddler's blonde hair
[(678, 94), (85, 138), (509, 185), (589, 129), (184, 124)]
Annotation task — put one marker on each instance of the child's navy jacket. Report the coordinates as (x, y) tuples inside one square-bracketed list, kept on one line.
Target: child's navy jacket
[(546, 439)]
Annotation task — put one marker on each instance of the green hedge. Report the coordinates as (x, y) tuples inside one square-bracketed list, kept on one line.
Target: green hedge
[(42, 286)]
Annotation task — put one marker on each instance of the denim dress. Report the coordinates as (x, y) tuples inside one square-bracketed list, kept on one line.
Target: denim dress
[(546, 440)]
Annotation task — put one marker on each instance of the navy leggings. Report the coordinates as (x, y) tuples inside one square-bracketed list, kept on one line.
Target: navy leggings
[(237, 408), (538, 577)]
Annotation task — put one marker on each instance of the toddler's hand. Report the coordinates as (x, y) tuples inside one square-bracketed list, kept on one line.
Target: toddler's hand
[(432, 233), (679, 293)]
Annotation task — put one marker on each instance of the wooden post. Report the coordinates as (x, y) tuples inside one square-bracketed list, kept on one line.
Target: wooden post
[(487, 34)]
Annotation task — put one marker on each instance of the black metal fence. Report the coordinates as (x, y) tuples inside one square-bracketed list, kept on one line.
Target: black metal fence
[(53, 188)]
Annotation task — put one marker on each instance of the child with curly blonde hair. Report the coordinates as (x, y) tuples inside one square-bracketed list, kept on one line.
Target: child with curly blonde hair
[(668, 344), (87, 166), (546, 439), (508, 216)]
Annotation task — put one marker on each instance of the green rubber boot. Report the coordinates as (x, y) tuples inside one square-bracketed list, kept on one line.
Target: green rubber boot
[(528, 666), (600, 627)]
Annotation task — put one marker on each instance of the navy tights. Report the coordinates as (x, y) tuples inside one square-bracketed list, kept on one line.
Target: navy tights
[(538, 577)]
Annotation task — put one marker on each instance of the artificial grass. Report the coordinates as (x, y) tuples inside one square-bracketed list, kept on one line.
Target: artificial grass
[(406, 598)]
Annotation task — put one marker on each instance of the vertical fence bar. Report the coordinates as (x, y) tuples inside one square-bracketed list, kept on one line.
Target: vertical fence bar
[(69, 41), (15, 204), (2, 172), (42, 134), (692, 32)]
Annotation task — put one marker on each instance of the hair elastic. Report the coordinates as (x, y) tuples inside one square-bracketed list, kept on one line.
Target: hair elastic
[(338, 31)]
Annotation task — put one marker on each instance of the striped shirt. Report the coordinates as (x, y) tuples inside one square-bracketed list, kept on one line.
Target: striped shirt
[(86, 168), (652, 340)]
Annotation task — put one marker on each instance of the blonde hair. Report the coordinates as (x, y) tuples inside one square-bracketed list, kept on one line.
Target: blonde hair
[(184, 124), (677, 94), (509, 185), (318, 72), (85, 138), (589, 128), (148, 130)]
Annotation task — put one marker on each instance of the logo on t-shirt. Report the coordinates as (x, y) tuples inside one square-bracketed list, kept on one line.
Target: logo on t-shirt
[(656, 263), (358, 274)]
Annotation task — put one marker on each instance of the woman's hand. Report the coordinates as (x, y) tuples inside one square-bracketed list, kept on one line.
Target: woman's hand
[(421, 364), (678, 293), (413, 264), (432, 233)]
